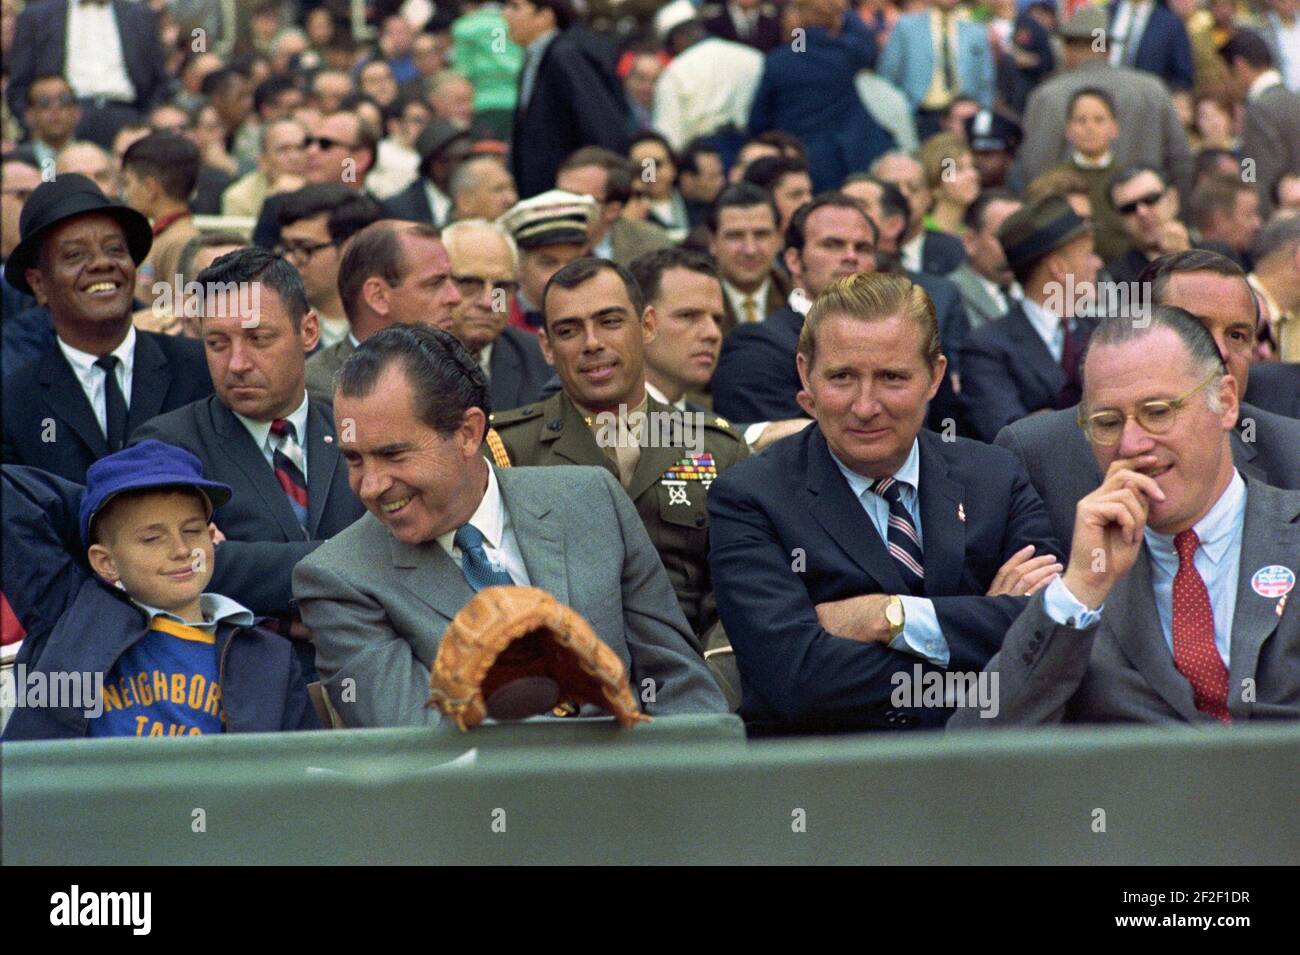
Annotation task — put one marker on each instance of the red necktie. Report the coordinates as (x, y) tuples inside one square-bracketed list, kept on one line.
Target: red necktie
[(1195, 654)]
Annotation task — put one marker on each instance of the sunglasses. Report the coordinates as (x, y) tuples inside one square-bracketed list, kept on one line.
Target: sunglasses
[(1150, 199), (324, 142)]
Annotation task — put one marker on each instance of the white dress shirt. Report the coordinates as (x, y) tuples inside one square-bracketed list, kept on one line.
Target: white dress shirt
[(1130, 24), (1050, 327), (707, 86), (485, 359), (92, 377), (439, 202), (911, 253), (1217, 560), (737, 299), (94, 64), (921, 635), (265, 441), (659, 396), (499, 542)]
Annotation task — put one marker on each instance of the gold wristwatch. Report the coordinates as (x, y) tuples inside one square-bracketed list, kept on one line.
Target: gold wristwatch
[(894, 617)]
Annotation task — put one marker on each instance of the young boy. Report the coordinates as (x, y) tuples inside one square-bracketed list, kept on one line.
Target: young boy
[(1091, 130), (171, 659), (159, 173)]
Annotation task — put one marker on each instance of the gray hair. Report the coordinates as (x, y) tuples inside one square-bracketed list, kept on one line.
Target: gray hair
[(1202, 352), (1280, 237), (463, 228)]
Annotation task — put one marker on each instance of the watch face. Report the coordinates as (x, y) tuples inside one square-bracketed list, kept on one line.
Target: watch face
[(894, 613)]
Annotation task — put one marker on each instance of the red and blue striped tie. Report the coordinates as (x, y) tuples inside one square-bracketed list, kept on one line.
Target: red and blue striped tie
[(904, 542), (287, 460)]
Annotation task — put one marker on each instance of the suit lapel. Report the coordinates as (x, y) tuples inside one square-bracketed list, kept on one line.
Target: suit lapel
[(322, 463), (150, 379), (248, 457), (1270, 537), (1134, 622), (1244, 452), (1034, 352), (842, 516), (65, 397), (431, 576), (540, 537), (942, 528), (505, 371)]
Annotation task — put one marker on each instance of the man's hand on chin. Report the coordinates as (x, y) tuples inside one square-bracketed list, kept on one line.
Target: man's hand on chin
[(856, 618)]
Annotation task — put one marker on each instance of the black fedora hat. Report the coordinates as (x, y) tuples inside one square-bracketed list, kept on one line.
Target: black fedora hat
[(1038, 230), (66, 197)]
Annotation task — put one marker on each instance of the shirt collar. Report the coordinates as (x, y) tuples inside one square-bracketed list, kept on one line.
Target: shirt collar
[(909, 473), (1265, 81), (82, 362), (1083, 162), (1216, 530), (538, 46), (1045, 322), (799, 301), (662, 398), (216, 608), (490, 518), (737, 297), (261, 430)]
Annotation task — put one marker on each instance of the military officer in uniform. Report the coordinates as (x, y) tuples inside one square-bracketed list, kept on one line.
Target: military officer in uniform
[(595, 332)]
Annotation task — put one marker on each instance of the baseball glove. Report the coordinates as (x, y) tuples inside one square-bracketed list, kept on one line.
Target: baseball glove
[(514, 652)]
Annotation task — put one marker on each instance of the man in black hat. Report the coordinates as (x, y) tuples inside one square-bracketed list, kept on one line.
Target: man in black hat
[(1029, 360), (994, 139), (442, 147), (100, 379)]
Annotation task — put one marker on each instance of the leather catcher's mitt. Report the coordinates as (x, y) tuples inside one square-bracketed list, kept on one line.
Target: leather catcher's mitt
[(514, 652)]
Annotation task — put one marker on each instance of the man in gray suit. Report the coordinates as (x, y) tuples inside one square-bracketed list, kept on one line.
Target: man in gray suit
[(985, 280), (411, 410), (394, 272), (1265, 446), (1272, 136), (1174, 605), (1150, 131)]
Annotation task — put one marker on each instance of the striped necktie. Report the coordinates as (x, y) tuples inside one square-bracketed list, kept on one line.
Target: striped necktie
[(904, 541), (289, 466)]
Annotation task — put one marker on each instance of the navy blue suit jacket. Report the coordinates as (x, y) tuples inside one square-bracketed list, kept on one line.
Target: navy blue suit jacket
[(786, 533), (941, 253), (1275, 387), (576, 101), (1165, 48), (411, 204), (49, 424), (517, 370), (264, 540), (1008, 373)]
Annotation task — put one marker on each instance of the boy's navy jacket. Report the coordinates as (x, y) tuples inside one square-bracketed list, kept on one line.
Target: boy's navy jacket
[(262, 688)]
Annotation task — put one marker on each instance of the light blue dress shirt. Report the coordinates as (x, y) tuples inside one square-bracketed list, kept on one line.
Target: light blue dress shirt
[(260, 431), (533, 54), (1050, 327), (217, 609), (921, 635), (1217, 560)]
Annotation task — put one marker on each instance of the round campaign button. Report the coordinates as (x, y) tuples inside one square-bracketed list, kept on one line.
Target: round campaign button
[(1275, 580)]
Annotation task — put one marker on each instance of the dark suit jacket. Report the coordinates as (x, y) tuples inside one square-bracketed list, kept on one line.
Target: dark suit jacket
[(767, 29), (576, 101), (1165, 49), (1275, 387), (1272, 139), (977, 509), (778, 293), (1008, 373), (1060, 462), (411, 204), (42, 46), (516, 371), (941, 253), (169, 372), (263, 537), (1121, 670)]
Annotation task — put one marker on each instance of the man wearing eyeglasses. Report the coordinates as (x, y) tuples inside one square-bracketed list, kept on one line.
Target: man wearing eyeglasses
[(392, 273), (52, 116), (1174, 605), (484, 263), (1265, 446)]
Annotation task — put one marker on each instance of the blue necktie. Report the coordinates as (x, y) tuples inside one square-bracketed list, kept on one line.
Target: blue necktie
[(474, 562), (904, 542)]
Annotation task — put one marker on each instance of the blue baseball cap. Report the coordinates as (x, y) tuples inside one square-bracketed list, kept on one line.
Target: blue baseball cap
[(149, 464)]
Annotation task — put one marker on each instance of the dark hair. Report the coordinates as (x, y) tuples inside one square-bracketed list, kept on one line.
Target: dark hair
[(742, 195), (270, 90), (766, 172), (1128, 174), (217, 81), (648, 268), (1206, 164), (205, 240), (795, 232), (45, 78), (650, 136), (1200, 344), (583, 270), (377, 250), (689, 160), (564, 11), (445, 379), (1215, 195), (270, 270), (347, 211), (1248, 45), (167, 157), (786, 142), (973, 218), (618, 170), (1095, 93), (1159, 271), (892, 201)]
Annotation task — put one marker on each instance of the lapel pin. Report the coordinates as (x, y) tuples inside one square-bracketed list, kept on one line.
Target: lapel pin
[(1275, 580), (961, 512)]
